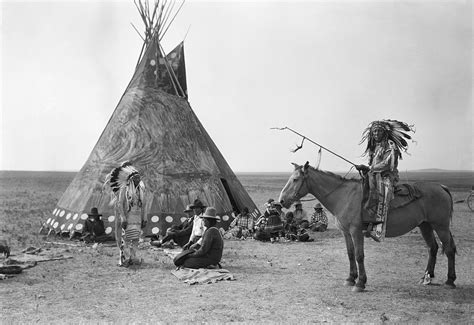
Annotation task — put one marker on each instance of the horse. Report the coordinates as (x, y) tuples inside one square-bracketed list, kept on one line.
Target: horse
[(342, 197)]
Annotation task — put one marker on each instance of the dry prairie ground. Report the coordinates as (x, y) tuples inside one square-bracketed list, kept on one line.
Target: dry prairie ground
[(281, 282)]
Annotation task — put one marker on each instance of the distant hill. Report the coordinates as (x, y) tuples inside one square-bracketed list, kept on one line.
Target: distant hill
[(437, 170)]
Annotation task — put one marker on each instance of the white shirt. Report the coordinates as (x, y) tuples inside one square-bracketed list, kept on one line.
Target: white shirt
[(198, 229)]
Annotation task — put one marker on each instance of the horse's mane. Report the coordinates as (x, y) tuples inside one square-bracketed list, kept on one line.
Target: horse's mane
[(353, 179)]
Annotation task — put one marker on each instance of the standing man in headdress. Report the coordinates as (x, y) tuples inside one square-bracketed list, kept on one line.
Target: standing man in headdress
[(128, 195), (385, 140)]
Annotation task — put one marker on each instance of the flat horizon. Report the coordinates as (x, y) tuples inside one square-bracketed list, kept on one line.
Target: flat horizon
[(256, 172)]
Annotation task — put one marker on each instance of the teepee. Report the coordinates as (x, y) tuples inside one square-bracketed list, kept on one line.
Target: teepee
[(154, 128)]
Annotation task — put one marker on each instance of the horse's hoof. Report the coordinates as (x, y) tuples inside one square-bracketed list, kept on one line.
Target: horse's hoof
[(357, 289), (348, 283), (450, 285)]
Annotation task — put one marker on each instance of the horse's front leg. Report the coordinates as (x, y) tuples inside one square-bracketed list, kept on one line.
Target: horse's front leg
[(358, 240), (350, 281)]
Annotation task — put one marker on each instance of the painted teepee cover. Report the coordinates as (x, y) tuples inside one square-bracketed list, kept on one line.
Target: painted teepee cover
[(155, 129)]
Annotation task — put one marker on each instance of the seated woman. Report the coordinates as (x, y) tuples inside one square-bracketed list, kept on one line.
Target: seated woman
[(269, 226), (210, 251)]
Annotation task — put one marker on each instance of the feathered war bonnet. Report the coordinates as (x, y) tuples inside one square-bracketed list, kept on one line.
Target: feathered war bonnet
[(395, 131), (125, 178)]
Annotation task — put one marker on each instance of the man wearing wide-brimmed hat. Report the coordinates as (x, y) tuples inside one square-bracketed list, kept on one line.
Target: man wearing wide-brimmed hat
[(319, 219), (94, 228), (178, 233), (198, 224), (210, 251), (300, 215)]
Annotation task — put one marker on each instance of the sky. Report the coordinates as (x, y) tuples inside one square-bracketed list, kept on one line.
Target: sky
[(323, 68)]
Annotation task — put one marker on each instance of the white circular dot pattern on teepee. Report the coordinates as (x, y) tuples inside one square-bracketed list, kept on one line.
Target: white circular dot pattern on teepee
[(108, 230), (111, 218), (84, 216), (68, 215), (155, 230), (62, 213), (152, 63), (225, 218), (155, 219), (78, 226), (183, 219), (169, 219)]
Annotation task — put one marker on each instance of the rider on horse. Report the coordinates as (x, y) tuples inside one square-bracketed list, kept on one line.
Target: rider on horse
[(385, 141)]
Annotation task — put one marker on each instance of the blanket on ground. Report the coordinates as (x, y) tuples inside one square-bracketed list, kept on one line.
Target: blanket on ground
[(202, 276), (15, 264), (198, 276)]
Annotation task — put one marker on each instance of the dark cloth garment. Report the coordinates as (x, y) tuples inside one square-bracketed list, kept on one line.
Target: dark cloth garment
[(293, 231), (274, 225), (210, 252), (94, 226), (269, 228), (262, 235), (180, 233), (94, 231)]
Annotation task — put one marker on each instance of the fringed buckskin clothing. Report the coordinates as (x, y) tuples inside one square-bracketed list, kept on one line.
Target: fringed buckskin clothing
[(385, 140)]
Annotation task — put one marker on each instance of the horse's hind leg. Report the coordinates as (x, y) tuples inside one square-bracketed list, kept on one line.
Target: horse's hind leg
[(429, 237), (449, 248), (350, 281)]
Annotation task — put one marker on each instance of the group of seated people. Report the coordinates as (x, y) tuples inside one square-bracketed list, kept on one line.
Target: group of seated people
[(275, 224), (202, 241)]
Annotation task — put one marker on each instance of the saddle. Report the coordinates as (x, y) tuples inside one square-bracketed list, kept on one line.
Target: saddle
[(404, 194)]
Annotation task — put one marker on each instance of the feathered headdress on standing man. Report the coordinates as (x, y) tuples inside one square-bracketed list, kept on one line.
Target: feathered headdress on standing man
[(125, 177), (395, 131)]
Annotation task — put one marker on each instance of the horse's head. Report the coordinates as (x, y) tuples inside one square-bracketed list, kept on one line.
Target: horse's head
[(296, 187)]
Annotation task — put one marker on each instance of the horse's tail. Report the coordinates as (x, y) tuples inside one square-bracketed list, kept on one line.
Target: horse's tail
[(446, 189), (451, 240)]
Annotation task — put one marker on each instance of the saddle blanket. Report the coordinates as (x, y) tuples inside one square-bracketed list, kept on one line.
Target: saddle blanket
[(202, 276)]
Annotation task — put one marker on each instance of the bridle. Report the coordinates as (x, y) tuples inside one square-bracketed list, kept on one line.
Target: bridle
[(296, 196)]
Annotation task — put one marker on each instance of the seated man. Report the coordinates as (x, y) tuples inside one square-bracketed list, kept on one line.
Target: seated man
[(179, 233), (198, 224), (319, 219), (300, 215), (209, 252), (242, 225), (94, 230)]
